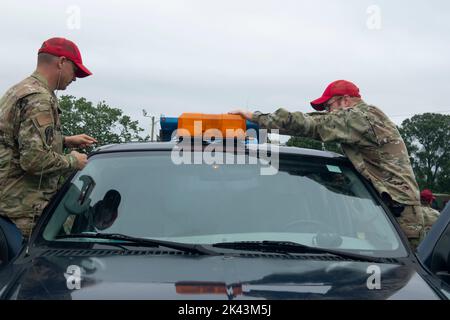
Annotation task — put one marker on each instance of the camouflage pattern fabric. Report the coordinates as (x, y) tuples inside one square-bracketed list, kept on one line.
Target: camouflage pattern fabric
[(368, 138), (429, 216), (31, 151), (412, 223)]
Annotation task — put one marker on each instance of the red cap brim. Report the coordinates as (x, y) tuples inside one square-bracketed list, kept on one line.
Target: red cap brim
[(82, 71), (318, 103)]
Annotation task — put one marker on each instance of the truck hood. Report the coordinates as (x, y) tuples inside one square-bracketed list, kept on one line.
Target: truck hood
[(155, 274)]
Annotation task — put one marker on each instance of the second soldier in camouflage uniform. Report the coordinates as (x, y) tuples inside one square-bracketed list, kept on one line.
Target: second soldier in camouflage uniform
[(31, 142), (429, 214), (369, 139)]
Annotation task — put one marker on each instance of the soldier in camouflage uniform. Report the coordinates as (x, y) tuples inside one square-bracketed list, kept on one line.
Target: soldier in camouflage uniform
[(369, 139), (429, 214), (31, 142)]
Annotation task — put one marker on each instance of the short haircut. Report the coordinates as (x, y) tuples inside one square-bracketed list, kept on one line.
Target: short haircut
[(45, 58), (355, 99)]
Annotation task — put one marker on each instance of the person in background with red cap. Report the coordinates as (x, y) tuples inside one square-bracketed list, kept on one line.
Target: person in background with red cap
[(369, 139), (429, 214), (31, 140)]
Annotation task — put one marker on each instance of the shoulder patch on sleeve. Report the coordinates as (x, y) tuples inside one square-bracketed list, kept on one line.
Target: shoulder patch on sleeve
[(44, 119)]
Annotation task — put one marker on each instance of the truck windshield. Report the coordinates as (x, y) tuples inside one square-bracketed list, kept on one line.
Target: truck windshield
[(311, 200)]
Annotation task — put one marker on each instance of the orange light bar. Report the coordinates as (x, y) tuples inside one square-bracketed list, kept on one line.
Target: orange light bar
[(201, 125), (207, 288)]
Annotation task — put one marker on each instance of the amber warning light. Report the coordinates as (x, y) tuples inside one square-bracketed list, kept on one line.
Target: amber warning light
[(208, 126)]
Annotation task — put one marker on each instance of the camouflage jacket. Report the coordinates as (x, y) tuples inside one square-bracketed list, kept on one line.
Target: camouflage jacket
[(369, 139), (31, 150)]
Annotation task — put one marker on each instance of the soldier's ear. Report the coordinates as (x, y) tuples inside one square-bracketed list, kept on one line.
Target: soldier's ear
[(61, 61)]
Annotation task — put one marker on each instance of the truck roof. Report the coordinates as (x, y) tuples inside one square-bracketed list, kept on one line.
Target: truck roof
[(167, 146)]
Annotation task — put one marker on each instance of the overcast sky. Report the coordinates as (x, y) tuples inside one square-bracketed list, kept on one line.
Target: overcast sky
[(212, 56)]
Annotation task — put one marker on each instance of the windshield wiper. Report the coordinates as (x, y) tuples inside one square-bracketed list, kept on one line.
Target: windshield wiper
[(292, 247), (189, 248)]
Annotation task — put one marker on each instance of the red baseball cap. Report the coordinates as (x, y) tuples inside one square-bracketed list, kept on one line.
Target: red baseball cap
[(62, 47), (336, 88), (427, 195)]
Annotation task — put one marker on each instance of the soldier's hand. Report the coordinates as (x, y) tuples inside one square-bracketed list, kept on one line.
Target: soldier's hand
[(79, 141), (246, 114), (81, 159)]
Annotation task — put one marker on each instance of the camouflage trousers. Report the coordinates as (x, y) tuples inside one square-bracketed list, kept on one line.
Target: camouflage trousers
[(24, 219), (412, 223)]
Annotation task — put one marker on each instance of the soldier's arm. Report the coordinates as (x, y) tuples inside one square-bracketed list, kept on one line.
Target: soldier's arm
[(289, 123), (36, 155), (347, 126)]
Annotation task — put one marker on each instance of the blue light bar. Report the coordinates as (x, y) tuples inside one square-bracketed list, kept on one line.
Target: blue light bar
[(168, 126)]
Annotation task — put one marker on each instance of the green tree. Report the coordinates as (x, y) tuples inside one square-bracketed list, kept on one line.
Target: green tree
[(443, 180), (427, 137), (302, 142), (104, 123)]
